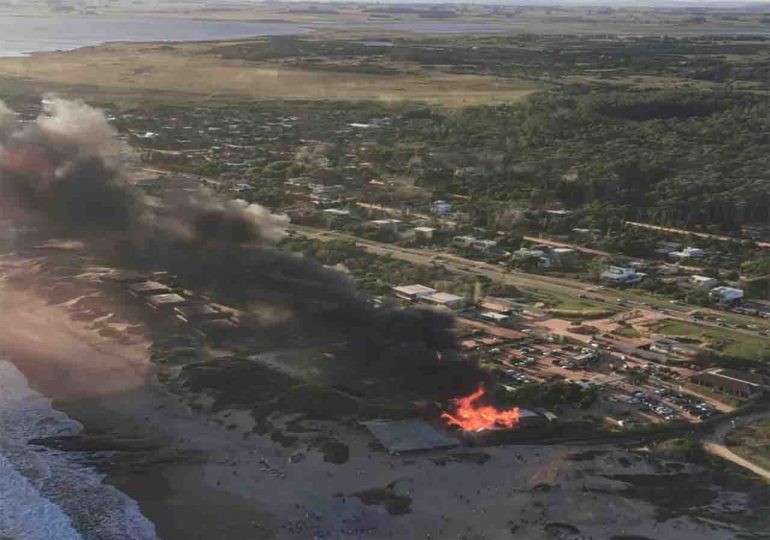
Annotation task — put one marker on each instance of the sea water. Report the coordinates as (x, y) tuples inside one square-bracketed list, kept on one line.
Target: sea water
[(20, 35), (47, 494)]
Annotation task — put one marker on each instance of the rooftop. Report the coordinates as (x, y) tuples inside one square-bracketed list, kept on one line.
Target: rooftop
[(124, 276), (200, 312), (337, 212), (148, 287), (409, 435), (494, 316), (414, 289), (444, 298), (166, 299)]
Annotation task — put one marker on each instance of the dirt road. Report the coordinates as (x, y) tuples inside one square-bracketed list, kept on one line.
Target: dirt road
[(715, 444), (691, 233)]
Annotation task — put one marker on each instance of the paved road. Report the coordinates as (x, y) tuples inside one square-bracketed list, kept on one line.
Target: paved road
[(453, 263), (561, 286)]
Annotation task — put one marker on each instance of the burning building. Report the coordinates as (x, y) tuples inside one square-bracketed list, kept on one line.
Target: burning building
[(469, 415), (486, 424)]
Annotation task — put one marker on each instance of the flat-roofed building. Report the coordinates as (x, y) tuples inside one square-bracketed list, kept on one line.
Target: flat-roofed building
[(686, 253), (620, 275), (412, 292), (424, 233), (725, 295), (169, 300), (483, 245), (504, 306), (463, 241), (440, 208), (386, 224), (494, 317), (443, 299), (148, 288), (411, 435), (336, 212), (704, 282), (195, 313), (730, 381), (124, 276)]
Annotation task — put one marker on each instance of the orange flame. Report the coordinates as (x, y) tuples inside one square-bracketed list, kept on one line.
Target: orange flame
[(471, 417)]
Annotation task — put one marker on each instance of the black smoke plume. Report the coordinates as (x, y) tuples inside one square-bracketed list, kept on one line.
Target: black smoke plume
[(63, 173)]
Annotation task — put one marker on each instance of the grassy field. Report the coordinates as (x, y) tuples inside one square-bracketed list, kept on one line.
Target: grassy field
[(727, 342), (576, 308), (514, 19), (126, 69), (627, 331), (752, 442)]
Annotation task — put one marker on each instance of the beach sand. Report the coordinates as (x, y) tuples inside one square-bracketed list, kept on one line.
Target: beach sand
[(205, 480)]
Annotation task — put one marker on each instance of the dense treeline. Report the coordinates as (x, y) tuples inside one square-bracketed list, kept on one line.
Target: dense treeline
[(703, 58), (677, 158), (670, 158)]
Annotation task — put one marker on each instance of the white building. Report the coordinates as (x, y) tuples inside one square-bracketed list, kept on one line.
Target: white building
[(425, 233), (413, 292), (443, 299), (389, 224), (320, 189), (725, 294), (586, 232), (483, 245), (539, 257), (337, 212), (463, 241), (686, 253), (493, 316), (620, 275), (703, 282)]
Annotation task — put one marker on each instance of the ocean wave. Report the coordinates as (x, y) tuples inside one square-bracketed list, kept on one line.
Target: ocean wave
[(45, 493)]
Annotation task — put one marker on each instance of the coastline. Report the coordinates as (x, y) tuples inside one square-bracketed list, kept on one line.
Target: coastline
[(201, 479), (47, 492), (61, 32), (109, 388)]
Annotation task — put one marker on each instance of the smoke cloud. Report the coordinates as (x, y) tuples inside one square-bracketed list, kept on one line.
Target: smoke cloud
[(62, 172)]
